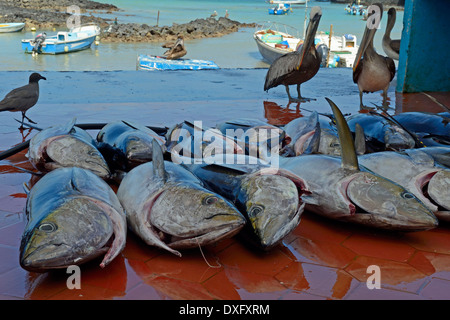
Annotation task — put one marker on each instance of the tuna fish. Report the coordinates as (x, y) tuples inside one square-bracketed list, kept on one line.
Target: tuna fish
[(66, 146), (381, 133), (304, 135), (342, 190), (419, 174), (256, 137), (433, 129), (190, 140), (130, 139), (73, 217), (270, 201), (168, 207)]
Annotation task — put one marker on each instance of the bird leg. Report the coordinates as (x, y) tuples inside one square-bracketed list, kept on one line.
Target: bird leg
[(300, 98), (361, 105), (287, 91), (25, 117)]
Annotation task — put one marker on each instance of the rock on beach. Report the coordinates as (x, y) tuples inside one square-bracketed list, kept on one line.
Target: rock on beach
[(49, 14)]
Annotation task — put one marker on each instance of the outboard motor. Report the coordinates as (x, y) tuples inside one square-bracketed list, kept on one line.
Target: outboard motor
[(322, 50), (38, 41)]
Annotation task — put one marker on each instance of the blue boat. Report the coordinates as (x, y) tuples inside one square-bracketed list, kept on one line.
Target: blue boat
[(147, 62), (75, 39), (280, 9)]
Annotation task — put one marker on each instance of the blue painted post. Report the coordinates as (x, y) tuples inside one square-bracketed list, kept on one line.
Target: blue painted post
[(424, 63)]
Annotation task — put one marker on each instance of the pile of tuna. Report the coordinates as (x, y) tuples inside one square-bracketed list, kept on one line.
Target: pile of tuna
[(190, 186)]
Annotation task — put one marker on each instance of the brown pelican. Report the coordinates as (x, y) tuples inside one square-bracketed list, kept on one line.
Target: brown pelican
[(391, 47), (298, 66), (371, 71)]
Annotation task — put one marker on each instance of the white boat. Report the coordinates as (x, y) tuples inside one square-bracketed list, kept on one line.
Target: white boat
[(11, 27), (275, 39), (75, 39)]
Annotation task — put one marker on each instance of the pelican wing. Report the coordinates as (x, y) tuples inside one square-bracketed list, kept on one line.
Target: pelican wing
[(281, 68), (391, 66), (395, 45)]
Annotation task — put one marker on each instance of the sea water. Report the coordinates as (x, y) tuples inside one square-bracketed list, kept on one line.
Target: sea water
[(235, 50)]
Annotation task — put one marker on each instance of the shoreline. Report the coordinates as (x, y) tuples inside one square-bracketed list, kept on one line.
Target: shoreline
[(50, 14)]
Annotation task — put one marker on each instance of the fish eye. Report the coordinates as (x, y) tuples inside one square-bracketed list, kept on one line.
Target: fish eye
[(47, 227), (407, 195), (210, 200), (255, 210)]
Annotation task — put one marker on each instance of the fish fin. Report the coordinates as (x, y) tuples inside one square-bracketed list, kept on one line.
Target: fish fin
[(69, 127), (129, 124), (360, 140), (348, 152), (314, 144), (40, 174), (26, 188), (158, 161)]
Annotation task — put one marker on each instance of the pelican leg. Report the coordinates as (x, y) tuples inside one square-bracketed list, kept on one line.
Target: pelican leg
[(287, 91), (300, 98), (361, 105)]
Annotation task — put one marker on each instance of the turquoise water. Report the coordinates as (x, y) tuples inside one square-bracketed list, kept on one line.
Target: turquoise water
[(237, 50)]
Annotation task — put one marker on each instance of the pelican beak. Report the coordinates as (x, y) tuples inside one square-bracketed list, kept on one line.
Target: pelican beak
[(311, 30), (368, 35)]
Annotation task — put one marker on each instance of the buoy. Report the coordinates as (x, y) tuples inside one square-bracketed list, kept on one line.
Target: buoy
[(97, 43), (33, 29), (66, 48)]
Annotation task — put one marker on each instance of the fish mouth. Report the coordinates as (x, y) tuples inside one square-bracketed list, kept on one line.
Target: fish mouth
[(273, 240), (202, 237), (388, 214), (31, 261), (435, 188)]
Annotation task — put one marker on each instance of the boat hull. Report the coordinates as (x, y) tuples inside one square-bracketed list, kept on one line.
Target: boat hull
[(11, 27), (59, 47), (146, 62)]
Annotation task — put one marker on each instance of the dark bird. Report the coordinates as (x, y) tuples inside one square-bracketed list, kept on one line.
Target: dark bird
[(371, 71), (23, 98), (391, 47), (298, 66)]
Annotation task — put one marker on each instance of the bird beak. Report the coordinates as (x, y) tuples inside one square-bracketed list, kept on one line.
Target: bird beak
[(310, 35), (366, 40), (43, 78)]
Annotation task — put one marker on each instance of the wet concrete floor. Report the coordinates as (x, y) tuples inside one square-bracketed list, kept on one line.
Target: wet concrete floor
[(321, 259)]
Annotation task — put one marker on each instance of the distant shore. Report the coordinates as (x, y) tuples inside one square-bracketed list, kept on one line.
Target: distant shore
[(51, 14)]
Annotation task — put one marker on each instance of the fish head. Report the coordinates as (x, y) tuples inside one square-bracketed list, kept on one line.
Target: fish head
[(188, 215), (379, 202), (69, 151), (138, 146), (329, 144), (439, 192), (75, 232), (272, 206), (397, 139)]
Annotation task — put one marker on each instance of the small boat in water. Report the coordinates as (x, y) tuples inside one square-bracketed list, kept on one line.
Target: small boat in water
[(148, 62), (288, 2), (11, 27), (280, 9), (355, 9), (276, 39), (75, 39)]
